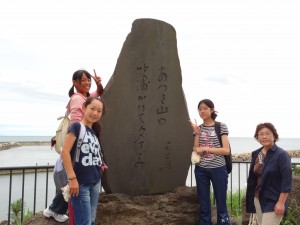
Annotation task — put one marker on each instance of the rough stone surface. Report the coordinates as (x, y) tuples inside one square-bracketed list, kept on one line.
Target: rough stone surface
[(147, 137), (40, 219), (178, 207)]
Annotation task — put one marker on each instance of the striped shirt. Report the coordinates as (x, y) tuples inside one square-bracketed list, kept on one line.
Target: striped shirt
[(209, 138)]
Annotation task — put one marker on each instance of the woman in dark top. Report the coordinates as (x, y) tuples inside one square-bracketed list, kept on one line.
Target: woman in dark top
[(270, 178)]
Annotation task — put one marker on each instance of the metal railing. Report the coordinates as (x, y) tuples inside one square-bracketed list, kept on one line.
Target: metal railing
[(236, 183), (237, 180), (17, 171)]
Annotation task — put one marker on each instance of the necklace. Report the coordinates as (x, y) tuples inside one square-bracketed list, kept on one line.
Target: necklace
[(260, 158)]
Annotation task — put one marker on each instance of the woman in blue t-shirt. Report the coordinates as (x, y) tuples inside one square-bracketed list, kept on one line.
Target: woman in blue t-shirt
[(84, 175)]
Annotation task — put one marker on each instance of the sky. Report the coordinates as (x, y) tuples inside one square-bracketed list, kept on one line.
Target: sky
[(243, 55)]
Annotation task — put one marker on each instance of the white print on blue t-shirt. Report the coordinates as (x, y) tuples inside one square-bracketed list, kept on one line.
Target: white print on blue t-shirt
[(90, 149)]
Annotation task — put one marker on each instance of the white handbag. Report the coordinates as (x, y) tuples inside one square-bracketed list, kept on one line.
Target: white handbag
[(195, 157)]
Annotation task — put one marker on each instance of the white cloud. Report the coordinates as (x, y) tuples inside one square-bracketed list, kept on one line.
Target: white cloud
[(242, 55)]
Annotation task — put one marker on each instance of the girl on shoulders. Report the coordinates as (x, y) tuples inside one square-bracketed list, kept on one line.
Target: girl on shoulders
[(82, 82)]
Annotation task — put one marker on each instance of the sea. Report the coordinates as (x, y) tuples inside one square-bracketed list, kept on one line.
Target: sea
[(44, 155)]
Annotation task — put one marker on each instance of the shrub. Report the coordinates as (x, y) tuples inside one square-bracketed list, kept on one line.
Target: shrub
[(296, 170), (293, 214), (16, 208)]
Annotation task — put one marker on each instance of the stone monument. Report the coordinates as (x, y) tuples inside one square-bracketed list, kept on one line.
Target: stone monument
[(146, 132)]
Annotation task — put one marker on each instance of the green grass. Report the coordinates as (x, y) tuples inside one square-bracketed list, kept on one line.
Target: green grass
[(234, 203)]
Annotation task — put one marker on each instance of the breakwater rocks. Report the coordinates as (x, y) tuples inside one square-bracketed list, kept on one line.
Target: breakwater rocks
[(246, 157), (8, 145), (243, 157), (12, 144)]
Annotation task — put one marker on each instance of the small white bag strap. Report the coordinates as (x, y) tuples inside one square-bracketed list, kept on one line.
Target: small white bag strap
[(67, 113)]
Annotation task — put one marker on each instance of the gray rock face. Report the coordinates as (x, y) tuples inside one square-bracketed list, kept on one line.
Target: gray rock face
[(147, 137), (177, 207)]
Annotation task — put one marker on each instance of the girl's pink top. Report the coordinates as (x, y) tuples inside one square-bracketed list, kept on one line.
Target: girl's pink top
[(75, 104)]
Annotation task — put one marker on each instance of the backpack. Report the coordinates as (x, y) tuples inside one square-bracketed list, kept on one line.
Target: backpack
[(59, 173), (59, 139), (228, 158)]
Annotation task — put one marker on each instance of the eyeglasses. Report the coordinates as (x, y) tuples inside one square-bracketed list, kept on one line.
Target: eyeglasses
[(267, 134), (203, 109)]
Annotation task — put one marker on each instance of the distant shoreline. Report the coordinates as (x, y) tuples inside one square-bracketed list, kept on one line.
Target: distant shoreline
[(247, 156), (33, 143), (13, 144), (235, 157)]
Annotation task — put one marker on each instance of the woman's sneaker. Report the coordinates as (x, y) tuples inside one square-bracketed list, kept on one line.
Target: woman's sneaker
[(58, 217)]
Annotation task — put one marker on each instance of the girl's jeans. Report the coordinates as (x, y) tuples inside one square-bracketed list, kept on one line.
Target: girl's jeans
[(219, 179), (85, 204)]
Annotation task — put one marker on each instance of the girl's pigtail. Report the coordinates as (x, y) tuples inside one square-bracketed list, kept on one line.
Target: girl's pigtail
[(71, 91)]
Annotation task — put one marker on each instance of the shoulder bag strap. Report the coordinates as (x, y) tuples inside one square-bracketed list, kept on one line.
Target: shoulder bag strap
[(218, 132), (79, 142)]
